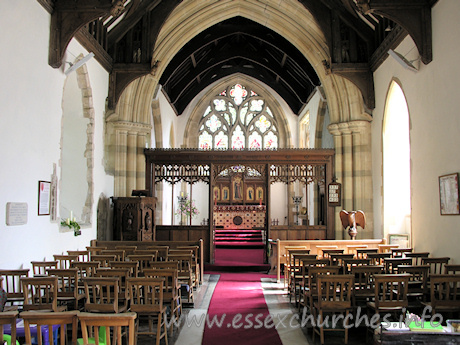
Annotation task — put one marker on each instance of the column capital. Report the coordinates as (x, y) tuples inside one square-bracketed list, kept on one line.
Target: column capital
[(347, 128)]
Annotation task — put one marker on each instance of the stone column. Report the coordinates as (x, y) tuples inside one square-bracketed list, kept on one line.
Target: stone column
[(354, 171), (128, 142)]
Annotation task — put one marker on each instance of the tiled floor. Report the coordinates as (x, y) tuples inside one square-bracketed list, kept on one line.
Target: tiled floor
[(284, 315)]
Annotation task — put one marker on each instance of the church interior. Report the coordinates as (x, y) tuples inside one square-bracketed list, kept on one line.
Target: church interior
[(260, 138)]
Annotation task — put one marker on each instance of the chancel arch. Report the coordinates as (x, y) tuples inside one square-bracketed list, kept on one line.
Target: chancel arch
[(350, 122)]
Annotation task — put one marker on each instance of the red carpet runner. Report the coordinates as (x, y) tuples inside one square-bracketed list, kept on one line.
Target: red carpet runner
[(238, 306)]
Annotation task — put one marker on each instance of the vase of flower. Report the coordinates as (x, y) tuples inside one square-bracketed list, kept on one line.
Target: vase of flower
[(186, 209)]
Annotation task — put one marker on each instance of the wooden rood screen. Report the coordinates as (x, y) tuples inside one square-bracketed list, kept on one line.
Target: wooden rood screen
[(282, 165)]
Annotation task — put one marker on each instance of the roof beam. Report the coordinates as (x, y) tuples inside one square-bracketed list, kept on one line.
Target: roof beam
[(412, 15), (69, 16)]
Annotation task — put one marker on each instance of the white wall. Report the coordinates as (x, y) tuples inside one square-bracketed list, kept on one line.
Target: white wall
[(30, 133), (432, 97)]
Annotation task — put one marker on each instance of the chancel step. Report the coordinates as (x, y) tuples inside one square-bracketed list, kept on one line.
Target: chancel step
[(238, 238)]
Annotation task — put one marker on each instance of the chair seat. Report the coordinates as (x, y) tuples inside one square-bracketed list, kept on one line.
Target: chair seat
[(386, 309)]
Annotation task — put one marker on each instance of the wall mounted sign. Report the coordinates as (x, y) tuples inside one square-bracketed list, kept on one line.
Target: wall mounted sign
[(44, 198), (16, 213), (448, 194), (334, 194)]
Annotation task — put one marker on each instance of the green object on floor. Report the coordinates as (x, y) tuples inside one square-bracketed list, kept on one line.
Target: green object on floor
[(102, 338), (7, 338)]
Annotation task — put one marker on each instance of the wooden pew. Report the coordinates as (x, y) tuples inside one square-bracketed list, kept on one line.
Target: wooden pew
[(278, 253)]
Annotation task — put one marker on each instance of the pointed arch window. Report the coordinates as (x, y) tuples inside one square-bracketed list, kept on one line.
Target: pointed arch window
[(396, 164), (238, 118)]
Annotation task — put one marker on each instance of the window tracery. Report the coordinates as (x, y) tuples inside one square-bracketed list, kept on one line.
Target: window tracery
[(238, 118)]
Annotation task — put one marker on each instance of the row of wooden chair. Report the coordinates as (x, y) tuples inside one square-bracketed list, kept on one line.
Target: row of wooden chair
[(327, 291), (110, 326)]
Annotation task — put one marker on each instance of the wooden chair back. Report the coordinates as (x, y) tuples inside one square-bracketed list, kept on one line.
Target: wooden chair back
[(129, 250), (417, 257), (144, 261), (103, 259), (101, 295), (131, 266), (436, 264), (171, 288), (364, 252), (94, 251), (85, 269), (39, 267), (165, 264), (445, 293), (391, 291), (311, 281), (65, 261), (418, 280), (392, 264), (13, 286), (40, 293), (328, 252), (185, 272), (67, 288), (338, 259), (196, 264), (364, 280), (147, 300), (335, 292), (386, 248), (8, 318), (379, 258), (400, 252), (162, 252), (348, 264), (43, 319), (146, 294), (113, 324), (451, 269), (122, 273), (83, 255), (119, 253)]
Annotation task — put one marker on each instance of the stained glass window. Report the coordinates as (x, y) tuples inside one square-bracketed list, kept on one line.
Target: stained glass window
[(238, 118)]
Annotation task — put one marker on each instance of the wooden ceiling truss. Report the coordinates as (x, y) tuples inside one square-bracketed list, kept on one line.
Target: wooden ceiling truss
[(122, 34)]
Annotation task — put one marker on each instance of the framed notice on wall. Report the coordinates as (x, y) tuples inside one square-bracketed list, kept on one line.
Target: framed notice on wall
[(448, 194), (44, 198), (334, 194)]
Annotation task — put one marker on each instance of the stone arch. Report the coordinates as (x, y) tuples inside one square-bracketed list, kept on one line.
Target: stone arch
[(350, 124), (84, 84), (191, 128)]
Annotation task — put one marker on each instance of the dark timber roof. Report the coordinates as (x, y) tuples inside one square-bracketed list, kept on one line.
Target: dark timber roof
[(123, 33), (239, 45)]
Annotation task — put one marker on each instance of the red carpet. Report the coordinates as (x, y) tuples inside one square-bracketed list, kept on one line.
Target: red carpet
[(238, 305), (238, 260), (239, 257)]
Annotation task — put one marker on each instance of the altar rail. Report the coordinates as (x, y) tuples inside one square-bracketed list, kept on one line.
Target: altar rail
[(278, 254), (298, 232), (146, 244)]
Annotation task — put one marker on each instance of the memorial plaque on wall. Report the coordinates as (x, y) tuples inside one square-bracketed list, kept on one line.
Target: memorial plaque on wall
[(16, 213)]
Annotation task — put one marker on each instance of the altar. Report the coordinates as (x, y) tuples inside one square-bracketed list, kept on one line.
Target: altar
[(239, 216)]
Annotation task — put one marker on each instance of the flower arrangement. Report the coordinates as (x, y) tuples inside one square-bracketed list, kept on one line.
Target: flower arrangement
[(72, 223), (186, 207)]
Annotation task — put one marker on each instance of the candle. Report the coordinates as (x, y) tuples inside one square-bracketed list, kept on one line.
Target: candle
[(182, 194), (71, 215)]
